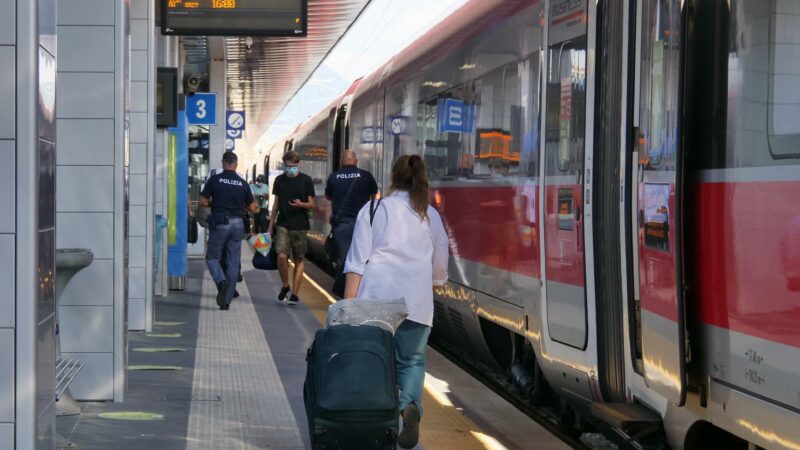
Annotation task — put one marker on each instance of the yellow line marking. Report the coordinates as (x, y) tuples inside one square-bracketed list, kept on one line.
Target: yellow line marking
[(488, 441)]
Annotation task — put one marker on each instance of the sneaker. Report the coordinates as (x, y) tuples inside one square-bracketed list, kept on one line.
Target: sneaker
[(293, 300), (409, 436), (225, 307), (282, 296), (222, 291)]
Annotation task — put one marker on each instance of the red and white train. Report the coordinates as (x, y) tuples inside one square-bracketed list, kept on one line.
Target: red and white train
[(620, 181)]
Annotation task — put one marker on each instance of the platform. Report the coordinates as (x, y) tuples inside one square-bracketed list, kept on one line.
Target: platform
[(238, 377)]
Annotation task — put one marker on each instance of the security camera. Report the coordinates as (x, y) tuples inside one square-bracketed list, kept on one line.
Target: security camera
[(191, 84)]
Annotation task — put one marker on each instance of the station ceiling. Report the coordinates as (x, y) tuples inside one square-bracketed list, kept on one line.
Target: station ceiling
[(265, 73)]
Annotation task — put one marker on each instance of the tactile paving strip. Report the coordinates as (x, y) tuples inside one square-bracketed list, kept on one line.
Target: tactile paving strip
[(234, 362)]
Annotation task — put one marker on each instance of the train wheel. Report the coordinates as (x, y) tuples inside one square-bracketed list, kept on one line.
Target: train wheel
[(565, 417), (527, 374)]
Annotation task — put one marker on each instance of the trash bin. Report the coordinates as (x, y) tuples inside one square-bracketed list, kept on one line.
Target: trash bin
[(69, 261)]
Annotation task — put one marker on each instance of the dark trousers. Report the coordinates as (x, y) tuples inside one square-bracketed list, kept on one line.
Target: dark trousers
[(343, 234), (261, 221)]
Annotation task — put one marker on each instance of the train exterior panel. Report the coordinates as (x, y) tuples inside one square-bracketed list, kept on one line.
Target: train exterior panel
[(504, 100)]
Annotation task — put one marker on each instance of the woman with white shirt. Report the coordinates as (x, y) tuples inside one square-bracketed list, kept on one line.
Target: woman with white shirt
[(403, 253)]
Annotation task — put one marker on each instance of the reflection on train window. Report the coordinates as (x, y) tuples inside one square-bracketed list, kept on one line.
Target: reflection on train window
[(656, 216), (759, 101), (313, 152), (657, 139), (566, 106), (484, 128), (566, 213)]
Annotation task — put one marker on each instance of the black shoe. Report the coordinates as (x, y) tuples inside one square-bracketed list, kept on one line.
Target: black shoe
[(222, 293), (282, 296), (239, 278), (235, 293), (225, 307), (409, 436), (293, 300)]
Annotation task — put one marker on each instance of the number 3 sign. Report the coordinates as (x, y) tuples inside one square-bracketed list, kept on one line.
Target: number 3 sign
[(201, 109)]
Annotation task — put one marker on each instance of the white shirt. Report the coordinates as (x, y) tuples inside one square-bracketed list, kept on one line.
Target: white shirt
[(400, 255)]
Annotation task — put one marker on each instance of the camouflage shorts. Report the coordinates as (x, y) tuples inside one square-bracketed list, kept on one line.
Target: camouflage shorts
[(291, 242)]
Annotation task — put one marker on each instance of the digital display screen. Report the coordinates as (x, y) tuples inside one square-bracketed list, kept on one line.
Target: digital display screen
[(235, 17)]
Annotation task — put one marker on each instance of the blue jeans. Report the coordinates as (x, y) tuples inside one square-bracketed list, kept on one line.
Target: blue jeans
[(410, 341), (226, 238)]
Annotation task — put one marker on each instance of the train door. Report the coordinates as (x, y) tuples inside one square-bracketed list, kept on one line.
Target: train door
[(564, 181), (338, 139), (658, 199)]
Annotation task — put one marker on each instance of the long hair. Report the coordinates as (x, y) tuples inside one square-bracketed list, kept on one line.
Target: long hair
[(409, 174)]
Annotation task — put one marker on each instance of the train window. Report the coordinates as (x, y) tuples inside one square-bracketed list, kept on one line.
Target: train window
[(566, 105), (784, 78), (657, 139), (761, 64), (485, 128)]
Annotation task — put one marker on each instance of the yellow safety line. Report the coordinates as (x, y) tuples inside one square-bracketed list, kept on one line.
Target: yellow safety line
[(444, 427)]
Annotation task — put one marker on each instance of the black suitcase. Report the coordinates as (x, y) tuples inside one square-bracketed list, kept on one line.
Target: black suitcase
[(350, 390)]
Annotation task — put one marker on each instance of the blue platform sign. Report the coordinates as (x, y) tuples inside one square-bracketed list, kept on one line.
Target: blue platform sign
[(230, 145), (234, 134), (201, 109), (455, 116), (235, 120)]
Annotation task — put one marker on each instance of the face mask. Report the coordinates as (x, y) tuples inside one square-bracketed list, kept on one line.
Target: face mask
[(292, 171)]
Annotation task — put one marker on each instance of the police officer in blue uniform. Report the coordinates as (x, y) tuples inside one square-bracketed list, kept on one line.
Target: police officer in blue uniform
[(348, 189), (229, 197)]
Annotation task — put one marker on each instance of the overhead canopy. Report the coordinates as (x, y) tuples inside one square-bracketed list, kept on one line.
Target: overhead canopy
[(263, 74)]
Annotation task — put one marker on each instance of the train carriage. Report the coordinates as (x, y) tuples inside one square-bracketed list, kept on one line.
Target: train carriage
[(620, 181)]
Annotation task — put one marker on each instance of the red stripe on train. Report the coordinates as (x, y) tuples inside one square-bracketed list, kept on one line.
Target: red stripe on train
[(744, 262)]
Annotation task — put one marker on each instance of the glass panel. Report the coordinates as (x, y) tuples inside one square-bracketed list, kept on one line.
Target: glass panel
[(784, 79)]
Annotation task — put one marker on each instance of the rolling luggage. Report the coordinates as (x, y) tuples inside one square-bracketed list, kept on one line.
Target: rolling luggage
[(350, 390)]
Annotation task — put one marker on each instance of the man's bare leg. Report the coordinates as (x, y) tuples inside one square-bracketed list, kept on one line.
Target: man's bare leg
[(299, 269), (283, 269)]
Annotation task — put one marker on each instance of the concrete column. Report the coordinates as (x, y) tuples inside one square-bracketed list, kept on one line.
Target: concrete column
[(27, 225), (217, 83), (93, 167), (142, 169)]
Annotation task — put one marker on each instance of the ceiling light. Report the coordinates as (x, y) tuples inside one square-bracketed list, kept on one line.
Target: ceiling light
[(435, 84), (467, 67)]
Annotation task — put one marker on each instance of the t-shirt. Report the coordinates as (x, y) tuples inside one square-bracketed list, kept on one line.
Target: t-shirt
[(260, 189), (228, 192), (346, 207), (287, 189)]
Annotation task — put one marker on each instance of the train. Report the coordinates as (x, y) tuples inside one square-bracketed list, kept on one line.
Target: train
[(620, 183)]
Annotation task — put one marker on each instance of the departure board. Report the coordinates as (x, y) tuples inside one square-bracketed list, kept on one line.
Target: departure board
[(234, 17)]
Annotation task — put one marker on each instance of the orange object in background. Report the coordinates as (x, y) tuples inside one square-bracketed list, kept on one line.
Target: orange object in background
[(497, 144)]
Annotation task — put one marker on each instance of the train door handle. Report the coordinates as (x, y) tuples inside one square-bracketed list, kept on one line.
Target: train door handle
[(641, 218), (578, 215)]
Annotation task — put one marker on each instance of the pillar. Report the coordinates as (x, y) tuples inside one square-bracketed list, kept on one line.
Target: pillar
[(94, 123)]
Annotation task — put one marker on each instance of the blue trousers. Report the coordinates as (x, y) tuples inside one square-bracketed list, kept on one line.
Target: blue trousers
[(227, 239), (410, 340)]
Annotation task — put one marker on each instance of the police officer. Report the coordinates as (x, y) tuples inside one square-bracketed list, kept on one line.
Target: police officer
[(348, 189), (229, 196)]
